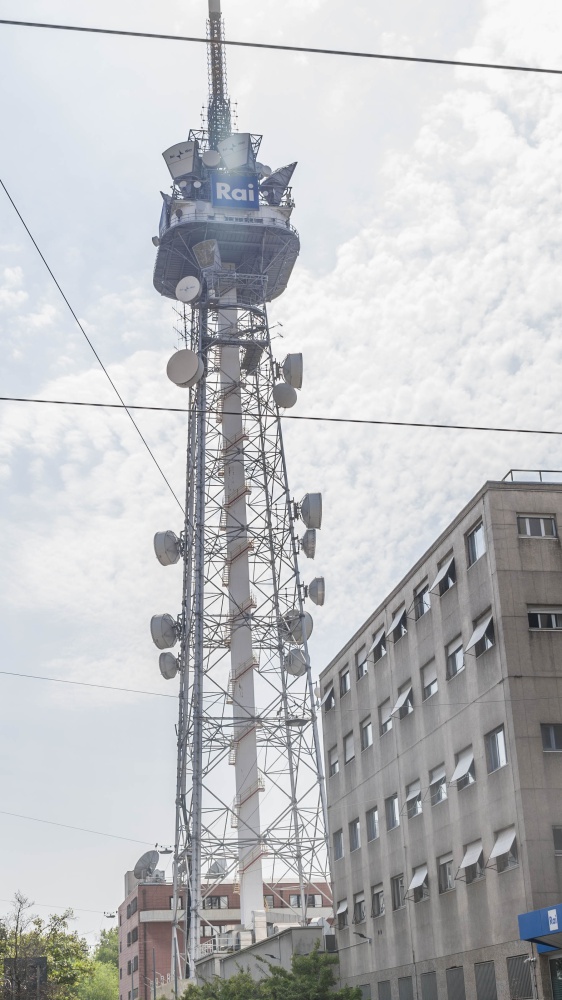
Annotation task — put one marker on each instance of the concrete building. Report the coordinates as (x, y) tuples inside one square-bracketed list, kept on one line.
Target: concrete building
[(145, 928), (442, 721)]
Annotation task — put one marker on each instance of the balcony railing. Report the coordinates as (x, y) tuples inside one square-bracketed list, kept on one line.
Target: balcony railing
[(533, 476)]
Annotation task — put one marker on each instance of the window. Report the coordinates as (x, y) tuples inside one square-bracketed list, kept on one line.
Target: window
[(215, 903), (422, 602), (134, 905), (294, 899), (464, 773), (519, 977), (379, 645), (557, 838), (483, 637), (496, 756), (413, 799), (545, 618), (359, 908), (333, 762), (372, 817), (446, 576), (445, 873), (345, 681), (405, 988), (405, 702), (361, 662), (429, 985), (455, 983), (354, 835), (134, 935), (180, 903), (398, 625), (385, 717), (128, 910), (551, 733), (135, 993), (268, 902), (314, 900), (328, 700), (341, 913), (455, 658), (473, 862), (338, 845), (392, 813), (348, 748), (419, 885), (384, 989), (129, 967), (536, 526), (475, 544), (485, 976), (398, 892), (366, 733), (120, 973), (437, 785), (128, 939), (377, 901), (429, 680), (135, 963)]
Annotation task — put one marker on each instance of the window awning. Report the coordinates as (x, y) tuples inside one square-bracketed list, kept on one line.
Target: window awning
[(437, 774), (402, 699), (479, 631), (326, 695), (472, 853), (413, 791), (464, 764), (376, 639), (419, 877), (504, 841), (359, 898), (442, 572), (342, 907), (396, 620)]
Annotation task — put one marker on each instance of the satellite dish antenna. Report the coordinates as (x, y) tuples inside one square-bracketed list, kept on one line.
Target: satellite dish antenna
[(184, 368), (317, 590), (146, 865), (163, 631), (311, 510), (284, 395), (196, 185), (308, 543), (211, 158), (168, 666), (297, 626), (295, 662), (188, 288), (167, 547), (292, 370)]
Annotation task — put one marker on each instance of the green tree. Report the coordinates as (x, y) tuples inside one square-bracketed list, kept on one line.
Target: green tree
[(102, 984), (311, 978), (108, 949)]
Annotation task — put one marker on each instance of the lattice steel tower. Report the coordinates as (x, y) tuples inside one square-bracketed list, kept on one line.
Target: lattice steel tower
[(247, 706)]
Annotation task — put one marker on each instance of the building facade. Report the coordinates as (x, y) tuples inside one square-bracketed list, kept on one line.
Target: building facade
[(442, 722), (145, 924)]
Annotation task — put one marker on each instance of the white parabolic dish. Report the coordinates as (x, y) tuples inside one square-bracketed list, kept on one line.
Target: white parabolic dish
[(284, 395), (184, 368), (211, 158), (188, 288)]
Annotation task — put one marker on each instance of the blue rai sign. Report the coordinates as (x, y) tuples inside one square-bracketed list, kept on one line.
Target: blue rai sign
[(235, 191)]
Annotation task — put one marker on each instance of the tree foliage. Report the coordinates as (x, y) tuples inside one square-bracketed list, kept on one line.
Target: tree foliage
[(23, 935), (102, 984), (311, 978), (107, 950)]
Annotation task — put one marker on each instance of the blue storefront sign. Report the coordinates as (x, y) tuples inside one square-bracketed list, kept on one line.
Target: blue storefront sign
[(543, 927), (235, 191)]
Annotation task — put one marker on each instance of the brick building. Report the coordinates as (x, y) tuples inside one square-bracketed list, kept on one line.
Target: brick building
[(145, 924)]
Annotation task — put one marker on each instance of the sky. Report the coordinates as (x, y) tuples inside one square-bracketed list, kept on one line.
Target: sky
[(428, 201)]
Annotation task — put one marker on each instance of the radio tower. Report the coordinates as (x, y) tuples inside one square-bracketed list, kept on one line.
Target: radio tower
[(250, 803)]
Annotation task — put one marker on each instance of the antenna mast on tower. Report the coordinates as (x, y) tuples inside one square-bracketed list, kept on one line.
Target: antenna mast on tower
[(250, 802)]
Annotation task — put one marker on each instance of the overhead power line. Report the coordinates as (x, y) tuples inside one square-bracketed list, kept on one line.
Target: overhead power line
[(89, 342), (290, 416), (55, 906), (88, 684), (67, 826), (284, 48)]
